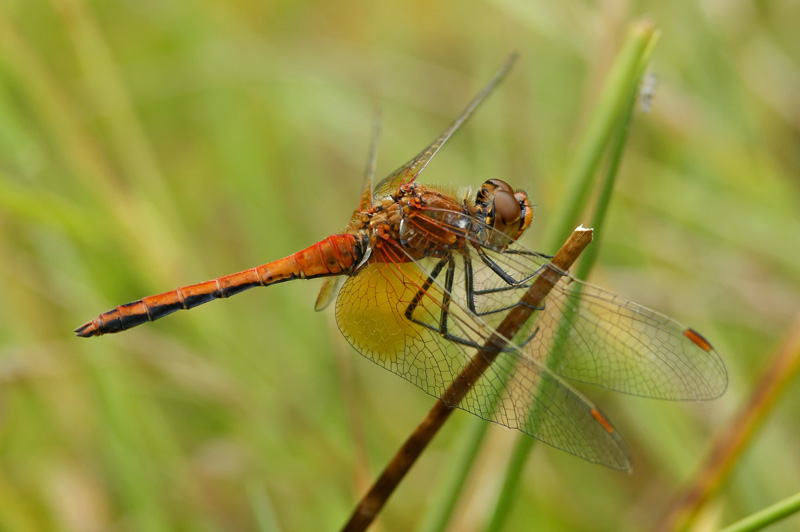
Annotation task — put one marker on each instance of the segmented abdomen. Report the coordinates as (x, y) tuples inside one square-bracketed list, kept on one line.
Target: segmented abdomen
[(336, 255)]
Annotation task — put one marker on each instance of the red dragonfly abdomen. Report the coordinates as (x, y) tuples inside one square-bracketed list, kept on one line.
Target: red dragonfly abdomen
[(336, 255)]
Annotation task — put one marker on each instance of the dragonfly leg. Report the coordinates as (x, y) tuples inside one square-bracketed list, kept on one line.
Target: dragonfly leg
[(469, 287), (417, 299), (442, 325), (471, 292), (500, 272), (511, 284), (447, 297), (527, 253)]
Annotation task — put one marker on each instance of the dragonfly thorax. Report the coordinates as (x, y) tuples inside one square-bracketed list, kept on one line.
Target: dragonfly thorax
[(424, 221), (427, 222)]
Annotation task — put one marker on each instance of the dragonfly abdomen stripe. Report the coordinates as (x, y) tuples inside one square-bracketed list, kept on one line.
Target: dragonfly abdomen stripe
[(333, 256)]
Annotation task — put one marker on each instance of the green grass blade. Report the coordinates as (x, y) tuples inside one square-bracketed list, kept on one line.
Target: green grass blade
[(440, 510), (767, 516), (619, 90), (262, 507), (610, 107), (620, 139), (610, 123)]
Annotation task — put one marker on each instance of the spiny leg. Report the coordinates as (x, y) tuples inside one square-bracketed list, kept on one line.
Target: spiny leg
[(469, 287), (417, 299), (442, 327), (448, 295), (528, 253), (511, 284)]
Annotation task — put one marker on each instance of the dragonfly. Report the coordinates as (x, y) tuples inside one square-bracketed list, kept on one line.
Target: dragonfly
[(422, 276)]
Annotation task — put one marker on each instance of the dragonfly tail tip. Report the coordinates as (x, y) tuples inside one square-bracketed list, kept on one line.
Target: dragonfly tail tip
[(86, 330)]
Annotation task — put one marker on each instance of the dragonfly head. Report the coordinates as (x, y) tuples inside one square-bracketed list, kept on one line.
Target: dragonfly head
[(506, 211)]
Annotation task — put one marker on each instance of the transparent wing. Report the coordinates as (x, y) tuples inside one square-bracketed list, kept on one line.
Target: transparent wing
[(424, 320), (372, 313), (409, 171), (327, 292), (597, 337), (330, 285), (366, 193)]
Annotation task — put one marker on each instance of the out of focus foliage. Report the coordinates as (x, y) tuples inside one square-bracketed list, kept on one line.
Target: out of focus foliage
[(145, 145)]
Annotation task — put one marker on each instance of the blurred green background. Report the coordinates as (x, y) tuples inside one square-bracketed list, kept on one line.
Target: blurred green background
[(147, 145)]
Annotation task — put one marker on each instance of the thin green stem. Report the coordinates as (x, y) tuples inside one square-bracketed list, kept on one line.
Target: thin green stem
[(610, 124), (615, 159), (767, 516), (610, 107), (619, 90), (441, 508)]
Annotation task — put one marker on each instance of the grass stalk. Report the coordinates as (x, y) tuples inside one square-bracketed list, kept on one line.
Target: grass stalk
[(619, 92), (372, 503), (609, 125), (730, 443), (767, 516)]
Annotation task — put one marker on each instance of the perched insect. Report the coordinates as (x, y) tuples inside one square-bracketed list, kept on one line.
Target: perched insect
[(428, 276)]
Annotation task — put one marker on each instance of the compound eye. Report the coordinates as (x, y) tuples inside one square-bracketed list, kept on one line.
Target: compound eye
[(507, 212), (501, 185)]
